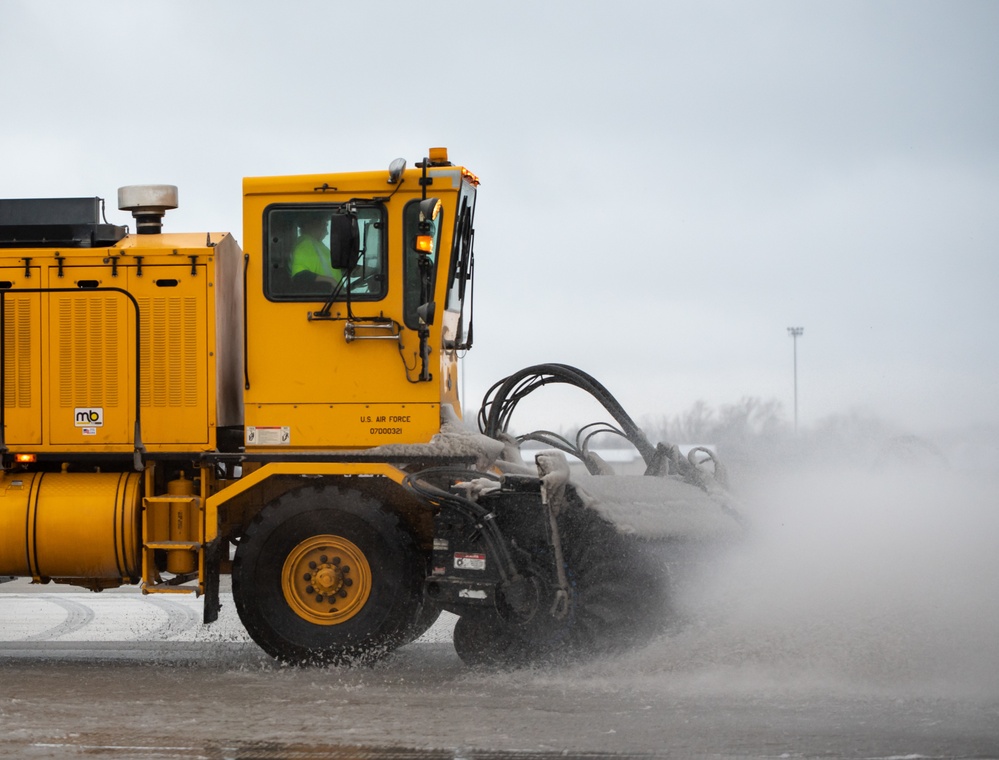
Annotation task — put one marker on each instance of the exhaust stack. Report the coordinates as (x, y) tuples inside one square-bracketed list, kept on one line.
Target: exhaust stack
[(148, 204)]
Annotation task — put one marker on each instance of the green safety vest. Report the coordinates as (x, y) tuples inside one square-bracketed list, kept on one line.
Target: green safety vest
[(311, 255)]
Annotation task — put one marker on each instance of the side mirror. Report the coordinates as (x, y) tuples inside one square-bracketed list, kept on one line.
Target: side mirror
[(430, 208), (345, 241), (427, 312)]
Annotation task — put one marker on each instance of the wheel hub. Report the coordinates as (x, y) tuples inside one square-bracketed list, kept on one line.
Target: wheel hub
[(326, 579)]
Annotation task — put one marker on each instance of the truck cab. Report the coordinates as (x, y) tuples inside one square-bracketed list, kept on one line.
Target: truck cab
[(365, 352)]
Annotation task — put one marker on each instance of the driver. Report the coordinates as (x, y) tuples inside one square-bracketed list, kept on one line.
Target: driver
[(310, 259)]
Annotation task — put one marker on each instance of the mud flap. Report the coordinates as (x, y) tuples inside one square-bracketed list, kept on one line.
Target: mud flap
[(212, 603)]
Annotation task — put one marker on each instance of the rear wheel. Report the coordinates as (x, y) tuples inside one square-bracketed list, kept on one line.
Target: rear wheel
[(327, 576)]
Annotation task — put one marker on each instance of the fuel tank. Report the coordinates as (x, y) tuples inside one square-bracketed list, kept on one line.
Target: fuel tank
[(79, 528)]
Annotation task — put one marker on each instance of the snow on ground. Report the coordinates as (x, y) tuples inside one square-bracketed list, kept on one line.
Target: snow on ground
[(34, 612)]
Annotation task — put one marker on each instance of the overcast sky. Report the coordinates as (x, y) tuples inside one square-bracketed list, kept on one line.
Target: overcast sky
[(666, 187)]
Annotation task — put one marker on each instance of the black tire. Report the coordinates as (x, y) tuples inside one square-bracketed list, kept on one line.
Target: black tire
[(484, 638), (302, 546)]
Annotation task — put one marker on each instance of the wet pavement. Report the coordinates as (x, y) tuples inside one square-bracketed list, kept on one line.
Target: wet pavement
[(119, 676)]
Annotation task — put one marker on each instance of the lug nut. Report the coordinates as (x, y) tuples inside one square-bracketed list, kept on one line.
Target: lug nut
[(309, 590), (343, 593), (324, 559), (336, 560), (307, 577)]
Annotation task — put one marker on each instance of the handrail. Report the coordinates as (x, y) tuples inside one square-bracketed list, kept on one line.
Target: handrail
[(350, 329)]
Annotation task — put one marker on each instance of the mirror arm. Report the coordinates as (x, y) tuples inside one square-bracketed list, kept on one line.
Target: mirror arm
[(424, 333), (423, 265)]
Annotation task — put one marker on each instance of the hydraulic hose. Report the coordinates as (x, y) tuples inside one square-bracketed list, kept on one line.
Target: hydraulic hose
[(502, 398)]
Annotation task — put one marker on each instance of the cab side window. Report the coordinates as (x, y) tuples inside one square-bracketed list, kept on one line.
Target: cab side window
[(297, 255)]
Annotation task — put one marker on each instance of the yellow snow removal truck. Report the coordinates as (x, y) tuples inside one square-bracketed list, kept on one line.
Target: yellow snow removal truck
[(176, 408)]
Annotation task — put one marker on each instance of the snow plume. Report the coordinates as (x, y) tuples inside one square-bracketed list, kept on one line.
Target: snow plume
[(851, 579)]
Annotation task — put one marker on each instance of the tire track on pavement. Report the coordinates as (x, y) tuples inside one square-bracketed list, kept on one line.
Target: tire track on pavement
[(180, 619), (77, 616)]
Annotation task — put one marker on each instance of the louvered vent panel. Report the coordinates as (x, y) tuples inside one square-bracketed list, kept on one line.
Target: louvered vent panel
[(88, 351), (17, 359), (190, 362), (170, 352)]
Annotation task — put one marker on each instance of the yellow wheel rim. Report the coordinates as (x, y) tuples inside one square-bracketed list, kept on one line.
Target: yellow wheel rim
[(326, 580)]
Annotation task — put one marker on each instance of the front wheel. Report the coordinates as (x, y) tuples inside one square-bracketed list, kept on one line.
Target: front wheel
[(327, 576)]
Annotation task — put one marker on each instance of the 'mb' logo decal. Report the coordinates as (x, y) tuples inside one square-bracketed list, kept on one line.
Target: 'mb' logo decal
[(89, 416)]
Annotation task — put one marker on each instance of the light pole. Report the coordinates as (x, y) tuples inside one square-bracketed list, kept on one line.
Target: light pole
[(795, 333)]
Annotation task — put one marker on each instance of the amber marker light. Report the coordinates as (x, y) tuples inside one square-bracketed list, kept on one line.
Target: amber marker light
[(24, 458), (424, 243)]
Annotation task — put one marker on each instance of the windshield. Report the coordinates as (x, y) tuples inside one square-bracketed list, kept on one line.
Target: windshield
[(297, 254)]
